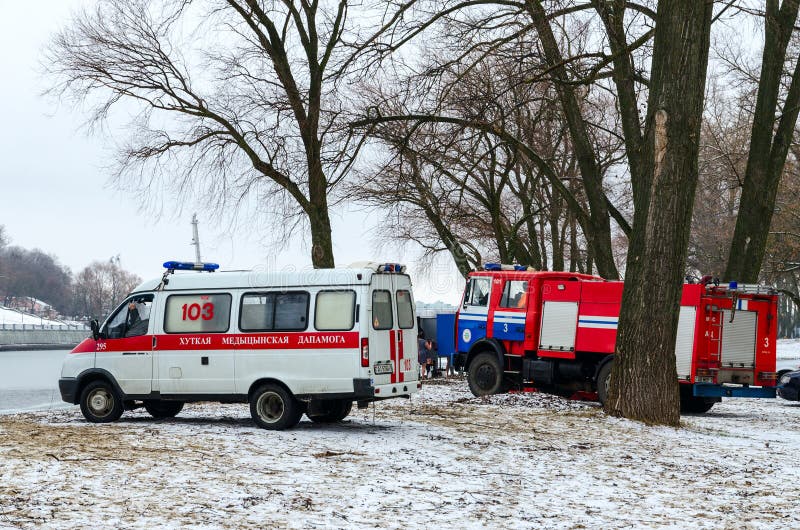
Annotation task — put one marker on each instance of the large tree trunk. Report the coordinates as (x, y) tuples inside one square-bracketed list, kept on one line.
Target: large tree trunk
[(767, 155), (644, 383), (318, 217)]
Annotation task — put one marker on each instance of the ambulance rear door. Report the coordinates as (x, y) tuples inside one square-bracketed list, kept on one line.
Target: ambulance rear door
[(392, 329), (382, 322)]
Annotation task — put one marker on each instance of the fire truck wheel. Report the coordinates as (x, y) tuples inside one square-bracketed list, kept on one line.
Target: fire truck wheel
[(163, 409), (100, 403), (333, 411), (273, 408), (695, 405), (602, 382), (485, 375)]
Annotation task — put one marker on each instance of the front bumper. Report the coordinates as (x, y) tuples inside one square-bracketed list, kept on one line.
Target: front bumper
[(68, 387)]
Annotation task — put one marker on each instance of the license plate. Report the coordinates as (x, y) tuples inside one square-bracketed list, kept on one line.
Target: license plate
[(383, 368)]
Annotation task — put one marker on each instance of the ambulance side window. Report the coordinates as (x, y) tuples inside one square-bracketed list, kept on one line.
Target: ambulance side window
[(274, 311), (335, 311), (477, 293), (515, 295), (197, 313), (131, 319)]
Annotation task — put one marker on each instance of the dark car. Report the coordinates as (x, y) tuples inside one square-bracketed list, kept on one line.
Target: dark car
[(789, 386)]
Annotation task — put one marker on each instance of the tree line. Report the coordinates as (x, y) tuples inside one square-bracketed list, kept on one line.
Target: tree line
[(91, 293), (643, 140)]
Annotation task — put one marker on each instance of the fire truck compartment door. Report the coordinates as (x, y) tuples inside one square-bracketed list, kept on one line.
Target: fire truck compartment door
[(739, 339), (559, 321), (684, 344)]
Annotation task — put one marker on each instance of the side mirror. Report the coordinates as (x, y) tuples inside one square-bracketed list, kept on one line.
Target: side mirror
[(95, 326)]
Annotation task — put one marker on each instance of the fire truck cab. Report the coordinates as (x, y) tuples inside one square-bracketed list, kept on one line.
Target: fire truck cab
[(290, 343), (556, 331)]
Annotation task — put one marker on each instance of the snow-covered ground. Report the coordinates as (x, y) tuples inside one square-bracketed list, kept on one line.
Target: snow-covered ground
[(14, 317), (442, 460)]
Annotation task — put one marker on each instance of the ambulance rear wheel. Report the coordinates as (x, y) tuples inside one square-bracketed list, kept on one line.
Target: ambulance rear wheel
[(100, 403), (332, 411), (163, 409), (273, 407), (485, 375)]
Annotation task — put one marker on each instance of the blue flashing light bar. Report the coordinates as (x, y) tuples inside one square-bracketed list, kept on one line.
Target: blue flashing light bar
[(391, 267), (502, 267), (190, 266), (733, 286)]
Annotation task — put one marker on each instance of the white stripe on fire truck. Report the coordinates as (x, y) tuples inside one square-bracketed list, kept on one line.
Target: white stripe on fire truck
[(591, 321), (506, 320), (482, 318), (741, 304)]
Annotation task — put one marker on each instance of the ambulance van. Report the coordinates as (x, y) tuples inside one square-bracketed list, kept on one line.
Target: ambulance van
[(288, 344)]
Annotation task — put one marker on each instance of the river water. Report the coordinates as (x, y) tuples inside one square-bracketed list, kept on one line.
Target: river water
[(29, 380)]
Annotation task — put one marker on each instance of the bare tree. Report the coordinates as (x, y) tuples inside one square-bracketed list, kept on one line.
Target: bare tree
[(100, 287), (502, 52), (233, 100), (770, 139)]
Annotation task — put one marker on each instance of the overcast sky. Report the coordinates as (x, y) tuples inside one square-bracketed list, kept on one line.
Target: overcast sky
[(56, 194)]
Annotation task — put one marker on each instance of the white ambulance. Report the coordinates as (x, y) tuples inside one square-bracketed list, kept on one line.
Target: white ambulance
[(286, 343)]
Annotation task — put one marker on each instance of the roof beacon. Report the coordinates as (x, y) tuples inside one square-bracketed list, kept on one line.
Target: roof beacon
[(190, 266), (505, 267), (392, 267)]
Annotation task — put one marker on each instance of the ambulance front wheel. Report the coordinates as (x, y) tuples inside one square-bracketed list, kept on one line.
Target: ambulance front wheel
[(100, 402), (273, 407), (485, 375)]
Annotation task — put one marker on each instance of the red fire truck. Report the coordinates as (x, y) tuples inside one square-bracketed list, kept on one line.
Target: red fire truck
[(556, 332)]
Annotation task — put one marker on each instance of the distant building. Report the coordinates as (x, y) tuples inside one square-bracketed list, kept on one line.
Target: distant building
[(430, 310), (31, 305)]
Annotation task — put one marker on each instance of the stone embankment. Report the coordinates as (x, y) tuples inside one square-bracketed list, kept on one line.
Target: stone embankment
[(28, 337)]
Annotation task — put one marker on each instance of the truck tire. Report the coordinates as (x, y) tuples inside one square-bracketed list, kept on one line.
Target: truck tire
[(602, 381), (332, 411), (691, 404), (100, 403), (696, 405), (273, 407), (163, 409), (485, 375)]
